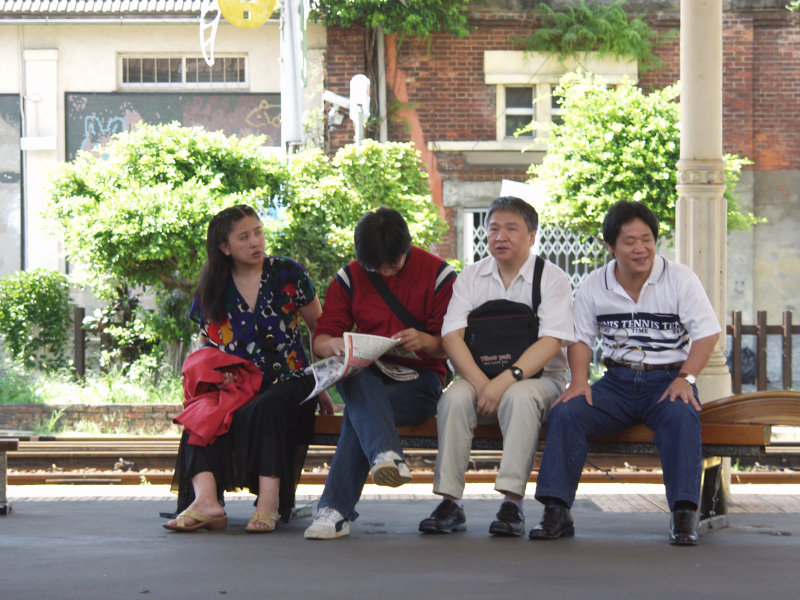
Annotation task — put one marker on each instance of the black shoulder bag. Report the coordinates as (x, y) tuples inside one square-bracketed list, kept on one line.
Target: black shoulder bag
[(400, 311), (499, 331)]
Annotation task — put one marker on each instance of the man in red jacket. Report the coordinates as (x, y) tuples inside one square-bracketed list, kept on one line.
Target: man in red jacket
[(421, 284)]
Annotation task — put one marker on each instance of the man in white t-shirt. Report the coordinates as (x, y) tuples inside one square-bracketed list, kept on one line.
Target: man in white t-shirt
[(658, 330), (517, 398)]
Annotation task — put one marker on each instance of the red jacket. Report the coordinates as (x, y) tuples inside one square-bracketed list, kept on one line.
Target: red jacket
[(207, 409)]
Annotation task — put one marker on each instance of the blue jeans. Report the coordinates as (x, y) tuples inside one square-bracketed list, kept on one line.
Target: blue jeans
[(620, 399), (374, 406)]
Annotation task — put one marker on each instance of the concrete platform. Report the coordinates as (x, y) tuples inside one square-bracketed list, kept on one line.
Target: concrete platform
[(87, 542)]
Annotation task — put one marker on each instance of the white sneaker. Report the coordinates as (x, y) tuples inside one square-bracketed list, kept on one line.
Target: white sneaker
[(390, 470), (328, 525)]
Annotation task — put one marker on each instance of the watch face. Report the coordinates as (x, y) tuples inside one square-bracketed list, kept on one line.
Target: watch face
[(691, 379), (517, 373)]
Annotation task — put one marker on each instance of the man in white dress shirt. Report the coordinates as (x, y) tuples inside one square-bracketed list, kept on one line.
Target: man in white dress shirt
[(520, 396)]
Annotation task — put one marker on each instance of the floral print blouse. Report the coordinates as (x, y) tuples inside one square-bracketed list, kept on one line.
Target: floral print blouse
[(269, 333)]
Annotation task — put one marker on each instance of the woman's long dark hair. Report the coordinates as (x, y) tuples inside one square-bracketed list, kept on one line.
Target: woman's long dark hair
[(218, 265)]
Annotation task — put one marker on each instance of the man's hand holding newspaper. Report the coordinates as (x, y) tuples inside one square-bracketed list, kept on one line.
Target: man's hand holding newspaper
[(360, 351)]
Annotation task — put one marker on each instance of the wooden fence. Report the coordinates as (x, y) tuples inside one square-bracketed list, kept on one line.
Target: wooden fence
[(761, 330)]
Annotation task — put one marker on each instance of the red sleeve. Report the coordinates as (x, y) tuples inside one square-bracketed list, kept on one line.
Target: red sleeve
[(337, 312)]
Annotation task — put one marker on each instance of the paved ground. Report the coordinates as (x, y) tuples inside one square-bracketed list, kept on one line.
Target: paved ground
[(106, 542)]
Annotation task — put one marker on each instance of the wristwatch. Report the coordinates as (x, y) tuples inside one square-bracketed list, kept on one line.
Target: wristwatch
[(517, 372), (688, 377)]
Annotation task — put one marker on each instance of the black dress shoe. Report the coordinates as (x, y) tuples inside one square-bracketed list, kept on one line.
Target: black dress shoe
[(682, 531), (510, 521), (556, 522), (447, 517)]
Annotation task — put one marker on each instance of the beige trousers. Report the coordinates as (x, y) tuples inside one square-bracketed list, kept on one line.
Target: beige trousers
[(522, 411)]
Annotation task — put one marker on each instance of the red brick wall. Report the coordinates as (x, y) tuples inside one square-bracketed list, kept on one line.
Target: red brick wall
[(345, 58), (444, 83), (149, 419), (776, 92)]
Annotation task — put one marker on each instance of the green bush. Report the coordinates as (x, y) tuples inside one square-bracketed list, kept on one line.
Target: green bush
[(329, 196), (606, 29), (17, 384), (618, 144), (35, 317), (136, 222)]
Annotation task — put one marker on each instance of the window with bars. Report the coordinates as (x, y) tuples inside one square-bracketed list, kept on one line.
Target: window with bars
[(138, 72), (574, 255)]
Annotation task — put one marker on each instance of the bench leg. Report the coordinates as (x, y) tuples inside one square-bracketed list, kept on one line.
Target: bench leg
[(5, 506), (714, 495)]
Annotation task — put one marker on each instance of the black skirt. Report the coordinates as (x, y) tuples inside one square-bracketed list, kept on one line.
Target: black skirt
[(268, 436)]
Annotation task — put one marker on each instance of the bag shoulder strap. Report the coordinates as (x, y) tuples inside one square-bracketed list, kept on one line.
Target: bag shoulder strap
[(393, 303), (536, 286)]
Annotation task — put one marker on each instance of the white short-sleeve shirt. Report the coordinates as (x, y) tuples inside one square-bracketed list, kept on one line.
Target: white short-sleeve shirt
[(673, 308), (480, 282)]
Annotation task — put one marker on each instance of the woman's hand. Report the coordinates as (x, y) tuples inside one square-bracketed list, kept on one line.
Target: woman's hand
[(325, 403), (229, 378)]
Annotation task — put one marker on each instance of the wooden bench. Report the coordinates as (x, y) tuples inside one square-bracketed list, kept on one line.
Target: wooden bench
[(738, 426), (6, 445)]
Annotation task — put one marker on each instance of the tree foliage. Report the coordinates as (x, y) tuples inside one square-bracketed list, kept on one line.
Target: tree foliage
[(404, 17), (606, 29), (136, 222), (618, 144), (329, 196), (136, 216), (35, 317)]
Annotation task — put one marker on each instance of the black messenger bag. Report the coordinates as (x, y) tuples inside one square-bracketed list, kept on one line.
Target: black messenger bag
[(499, 331)]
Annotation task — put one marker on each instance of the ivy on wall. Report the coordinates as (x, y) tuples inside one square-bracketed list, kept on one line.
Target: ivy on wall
[(404, 17), (606, 29)]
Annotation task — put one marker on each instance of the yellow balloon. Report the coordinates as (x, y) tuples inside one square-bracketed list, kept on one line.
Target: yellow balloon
[(246, 14)]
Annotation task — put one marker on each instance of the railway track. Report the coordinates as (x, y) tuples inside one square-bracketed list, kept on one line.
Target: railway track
[(135, 460)]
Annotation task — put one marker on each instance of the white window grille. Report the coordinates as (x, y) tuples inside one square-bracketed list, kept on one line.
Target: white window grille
[(182, 72)]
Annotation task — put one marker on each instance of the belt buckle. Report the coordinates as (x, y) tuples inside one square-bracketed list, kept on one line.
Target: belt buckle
[(636, 366)]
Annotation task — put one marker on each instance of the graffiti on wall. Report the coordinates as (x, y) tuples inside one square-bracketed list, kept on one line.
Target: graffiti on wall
[(92, 118)]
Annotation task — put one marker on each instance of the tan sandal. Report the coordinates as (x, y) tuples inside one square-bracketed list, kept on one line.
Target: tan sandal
[(202, 521), (269, 519)]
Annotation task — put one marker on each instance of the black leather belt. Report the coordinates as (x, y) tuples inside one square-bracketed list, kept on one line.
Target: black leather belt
[(638, 366)]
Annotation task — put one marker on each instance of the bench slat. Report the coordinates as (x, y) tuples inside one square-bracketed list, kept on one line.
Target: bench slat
[(724, 434)]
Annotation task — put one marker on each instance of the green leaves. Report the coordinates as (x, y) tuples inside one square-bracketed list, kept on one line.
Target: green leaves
[(35, 317), (137, 221), (329, 196), (618, 144), (408, 17), (606, 29), (140, 216)]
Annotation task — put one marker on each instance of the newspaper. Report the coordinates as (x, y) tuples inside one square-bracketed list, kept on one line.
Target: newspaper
[(360, 351)]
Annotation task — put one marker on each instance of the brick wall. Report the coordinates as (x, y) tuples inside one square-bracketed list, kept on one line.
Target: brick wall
[(151, 419), (447, 99), (444, 80), (761, 84)]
